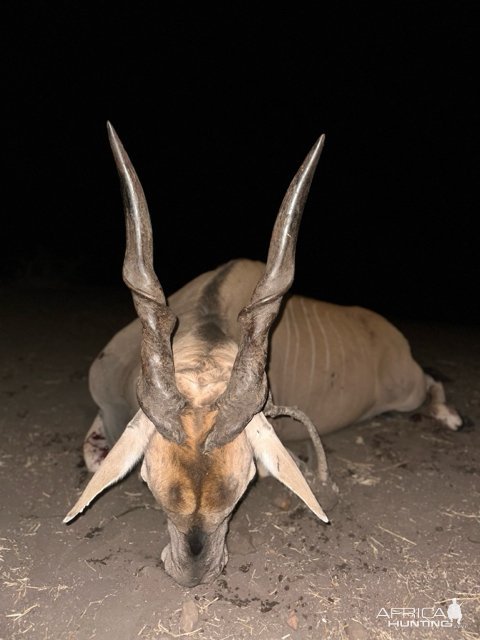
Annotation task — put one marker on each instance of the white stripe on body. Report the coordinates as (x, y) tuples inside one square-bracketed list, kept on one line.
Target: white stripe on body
[(312, 347), (342, 352), (287, 352), (295, 360)]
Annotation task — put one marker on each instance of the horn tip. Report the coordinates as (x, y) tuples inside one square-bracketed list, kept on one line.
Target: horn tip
[(112, 134), (121, 158), (320, 142), (313, 157)]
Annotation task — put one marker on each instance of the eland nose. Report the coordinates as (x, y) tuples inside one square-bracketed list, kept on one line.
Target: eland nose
[(196, 540)]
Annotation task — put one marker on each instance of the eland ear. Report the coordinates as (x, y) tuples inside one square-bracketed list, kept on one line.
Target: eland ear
[(124, 455), (271, 453)]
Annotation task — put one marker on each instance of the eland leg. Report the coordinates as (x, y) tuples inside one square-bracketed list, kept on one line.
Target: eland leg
[(437, 407)]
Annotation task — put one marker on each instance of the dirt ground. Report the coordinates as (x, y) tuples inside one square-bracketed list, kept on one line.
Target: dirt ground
[(404, 534)]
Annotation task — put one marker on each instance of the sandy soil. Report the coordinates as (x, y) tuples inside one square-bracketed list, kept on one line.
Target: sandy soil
[(405, 532)]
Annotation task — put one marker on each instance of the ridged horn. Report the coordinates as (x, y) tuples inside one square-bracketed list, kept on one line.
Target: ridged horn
[(247, 390), (157, 391)]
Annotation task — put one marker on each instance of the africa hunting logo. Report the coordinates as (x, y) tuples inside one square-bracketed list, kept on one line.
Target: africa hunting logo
[(422, 617)]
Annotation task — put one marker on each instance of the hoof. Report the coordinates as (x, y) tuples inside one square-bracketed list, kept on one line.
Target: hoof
[(446, 415)]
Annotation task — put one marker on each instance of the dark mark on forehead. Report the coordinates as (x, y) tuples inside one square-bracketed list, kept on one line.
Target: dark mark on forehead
[(175, 499), (210, 492)]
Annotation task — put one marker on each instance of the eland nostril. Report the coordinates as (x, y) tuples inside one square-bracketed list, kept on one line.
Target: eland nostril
[(196, 540)]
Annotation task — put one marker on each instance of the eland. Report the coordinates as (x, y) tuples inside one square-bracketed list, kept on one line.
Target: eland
[(189, 385)]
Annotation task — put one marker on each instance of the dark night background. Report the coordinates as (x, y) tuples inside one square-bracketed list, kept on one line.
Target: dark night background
[(217, 109)]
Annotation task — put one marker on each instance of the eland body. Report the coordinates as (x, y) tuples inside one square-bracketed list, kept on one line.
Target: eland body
[(188, 385)]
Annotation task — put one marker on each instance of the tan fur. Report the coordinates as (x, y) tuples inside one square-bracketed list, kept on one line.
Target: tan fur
[(193, 486)]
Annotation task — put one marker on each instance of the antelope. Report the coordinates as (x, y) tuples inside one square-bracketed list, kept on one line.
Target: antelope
[(189, 385)]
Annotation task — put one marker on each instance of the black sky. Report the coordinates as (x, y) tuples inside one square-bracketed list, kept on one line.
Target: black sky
[(217, 109)]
